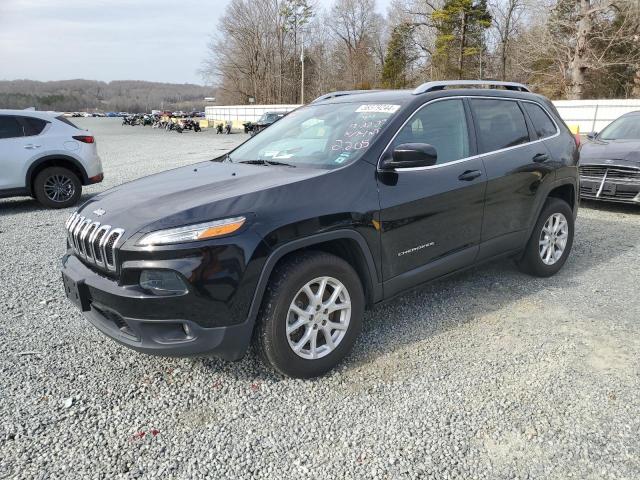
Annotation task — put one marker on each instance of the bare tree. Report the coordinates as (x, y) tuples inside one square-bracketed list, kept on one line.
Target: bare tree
[(356, 24), (507, 19)]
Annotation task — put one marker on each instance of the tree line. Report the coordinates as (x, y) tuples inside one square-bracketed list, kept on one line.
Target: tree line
[(563, 48), (92, 95)]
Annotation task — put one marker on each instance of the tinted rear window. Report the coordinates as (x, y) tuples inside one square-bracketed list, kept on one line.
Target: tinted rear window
[(542, 124), (66, 120), (33, 126), (9, 127), (499, 124)]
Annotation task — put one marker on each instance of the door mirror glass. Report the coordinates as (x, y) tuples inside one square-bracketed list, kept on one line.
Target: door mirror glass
[(592, 135), (411, 155)]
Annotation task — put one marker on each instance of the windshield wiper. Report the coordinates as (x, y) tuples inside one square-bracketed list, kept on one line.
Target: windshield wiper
[(266, 162)]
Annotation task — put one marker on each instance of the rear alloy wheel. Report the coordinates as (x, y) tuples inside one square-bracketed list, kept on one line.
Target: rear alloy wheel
[(553, 238), (57, 187), (311, 314), (550, 241)]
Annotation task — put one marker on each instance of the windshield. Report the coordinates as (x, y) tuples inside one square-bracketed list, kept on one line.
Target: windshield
[(320, 136), (268, 117), (625, 128)]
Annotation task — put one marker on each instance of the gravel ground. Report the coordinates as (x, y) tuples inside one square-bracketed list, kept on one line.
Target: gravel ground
[(488, 374)]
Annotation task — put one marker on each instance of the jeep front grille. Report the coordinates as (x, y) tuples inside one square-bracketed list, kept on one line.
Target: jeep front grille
[(92, 242)]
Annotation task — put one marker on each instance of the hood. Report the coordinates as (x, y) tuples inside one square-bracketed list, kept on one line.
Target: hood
[(627, 150), (186, 195)]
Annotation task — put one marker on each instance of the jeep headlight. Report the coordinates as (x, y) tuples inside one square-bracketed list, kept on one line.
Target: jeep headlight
[(189, 233)]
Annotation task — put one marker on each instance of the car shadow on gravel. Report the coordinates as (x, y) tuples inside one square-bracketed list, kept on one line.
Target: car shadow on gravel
[(435, 308), (19, 205)]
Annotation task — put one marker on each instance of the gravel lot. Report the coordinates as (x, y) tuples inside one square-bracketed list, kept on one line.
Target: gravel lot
[(488, 374)]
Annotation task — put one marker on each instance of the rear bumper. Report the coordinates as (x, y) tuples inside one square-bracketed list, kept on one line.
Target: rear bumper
[(95, 179), (118, 312)]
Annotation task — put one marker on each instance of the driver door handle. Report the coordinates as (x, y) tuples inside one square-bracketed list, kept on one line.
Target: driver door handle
[(540, 157), (470, 175)]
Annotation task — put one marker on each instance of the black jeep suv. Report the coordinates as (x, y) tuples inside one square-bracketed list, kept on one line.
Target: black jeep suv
[(343, 203)]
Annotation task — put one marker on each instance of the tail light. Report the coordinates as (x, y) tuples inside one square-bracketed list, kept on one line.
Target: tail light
[(577, 138), (85, 138)]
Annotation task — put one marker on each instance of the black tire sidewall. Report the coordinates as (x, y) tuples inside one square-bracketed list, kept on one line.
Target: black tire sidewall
[(287, 282), (531, 261), (41, 178)]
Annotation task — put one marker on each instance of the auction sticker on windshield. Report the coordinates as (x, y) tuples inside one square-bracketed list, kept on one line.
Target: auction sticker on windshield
[(377, 108)]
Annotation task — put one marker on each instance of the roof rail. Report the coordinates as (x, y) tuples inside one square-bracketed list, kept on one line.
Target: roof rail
[(342, 93), (441, 85)]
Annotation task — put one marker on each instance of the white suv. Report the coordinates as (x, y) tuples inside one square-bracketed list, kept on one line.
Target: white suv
[(46, 156)]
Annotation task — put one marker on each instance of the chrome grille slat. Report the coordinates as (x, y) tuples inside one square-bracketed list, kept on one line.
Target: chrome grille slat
[(613, 172), (92, 242)]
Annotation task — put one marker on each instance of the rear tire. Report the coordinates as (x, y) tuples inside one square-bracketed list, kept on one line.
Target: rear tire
[(57, 187), (329, 327), (551, 240)]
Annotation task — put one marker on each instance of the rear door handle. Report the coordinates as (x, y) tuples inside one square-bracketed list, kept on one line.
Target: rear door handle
[(31, 146), (540, 157), (470, 175)]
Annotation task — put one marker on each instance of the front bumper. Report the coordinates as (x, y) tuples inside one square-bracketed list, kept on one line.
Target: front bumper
[(125, 314), (611, 190)]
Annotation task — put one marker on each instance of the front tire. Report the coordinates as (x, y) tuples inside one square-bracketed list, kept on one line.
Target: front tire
[(551, 240), (311, 315), (57, 187)]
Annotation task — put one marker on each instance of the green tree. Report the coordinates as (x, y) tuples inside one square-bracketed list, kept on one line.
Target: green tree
[(460, 27), (396, 60)]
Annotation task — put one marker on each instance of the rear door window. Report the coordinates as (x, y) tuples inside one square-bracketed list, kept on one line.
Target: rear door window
[(542, 124), (499, 124), (9, 127), (442, 124), (32, 126)]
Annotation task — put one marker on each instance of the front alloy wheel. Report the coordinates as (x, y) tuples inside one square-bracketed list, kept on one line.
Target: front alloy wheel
[(311, 314), (318, 317)]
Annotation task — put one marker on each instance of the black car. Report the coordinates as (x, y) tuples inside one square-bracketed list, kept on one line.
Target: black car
[(344, 203), (610, 162), (266, 119)]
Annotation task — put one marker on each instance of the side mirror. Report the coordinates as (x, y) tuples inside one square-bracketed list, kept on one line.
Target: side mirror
[(592, 135), (411, 155)]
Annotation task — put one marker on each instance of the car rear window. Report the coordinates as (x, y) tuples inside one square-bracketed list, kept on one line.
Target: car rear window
[(499, 124), (67, 121), (33, 126), (9, 127), (542, 124)]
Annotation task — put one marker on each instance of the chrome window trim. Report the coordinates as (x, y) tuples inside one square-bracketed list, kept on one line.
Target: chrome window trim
[(473, 157)]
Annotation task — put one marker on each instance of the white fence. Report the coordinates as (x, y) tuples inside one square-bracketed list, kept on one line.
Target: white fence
[(238, 114), (593, 115), (588, 115)]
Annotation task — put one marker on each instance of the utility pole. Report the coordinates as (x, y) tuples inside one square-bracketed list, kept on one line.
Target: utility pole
[(302, 62)]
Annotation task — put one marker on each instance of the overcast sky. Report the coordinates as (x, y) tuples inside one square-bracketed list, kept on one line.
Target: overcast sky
[(159, 40)]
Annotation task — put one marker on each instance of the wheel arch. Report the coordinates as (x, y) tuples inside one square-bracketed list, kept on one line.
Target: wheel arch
[(565, 189), (346, 244), (55, 161)]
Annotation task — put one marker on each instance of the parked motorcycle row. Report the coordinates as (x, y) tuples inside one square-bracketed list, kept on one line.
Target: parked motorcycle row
[(168, 123)]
